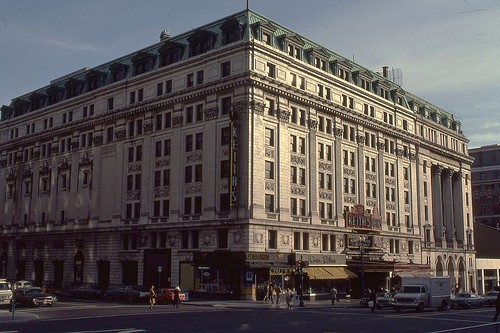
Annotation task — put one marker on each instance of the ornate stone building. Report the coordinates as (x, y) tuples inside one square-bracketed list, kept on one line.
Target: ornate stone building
[(216, 158)]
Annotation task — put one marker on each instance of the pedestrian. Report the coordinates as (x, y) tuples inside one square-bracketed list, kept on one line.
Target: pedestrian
[(277, 290), (266, 293), (372, 300), (497, 307), (270, 292), (152, 297), (333, 295), (177, 298), (288, 298)]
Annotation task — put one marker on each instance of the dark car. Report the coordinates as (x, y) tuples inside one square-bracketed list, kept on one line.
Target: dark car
[(33, 296), (50, 288), (466, 300), (128, 293), (385, 301), (86, 292), (489, 298)]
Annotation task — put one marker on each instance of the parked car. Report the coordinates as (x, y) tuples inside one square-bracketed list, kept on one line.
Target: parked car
[(5, 293), (22, 284), (385, 301), (489, 298), (128, 293), (49, 288), (33, 296), (86, 292), (166, 296), (466, 300)]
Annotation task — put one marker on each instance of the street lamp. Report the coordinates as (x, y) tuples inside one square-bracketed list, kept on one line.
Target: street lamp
[(299, 282), (361, 244)]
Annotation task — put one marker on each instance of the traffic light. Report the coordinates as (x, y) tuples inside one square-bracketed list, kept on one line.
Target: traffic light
[(298, 266)]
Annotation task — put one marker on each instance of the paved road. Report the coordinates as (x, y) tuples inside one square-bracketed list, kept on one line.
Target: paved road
[(241, 316)]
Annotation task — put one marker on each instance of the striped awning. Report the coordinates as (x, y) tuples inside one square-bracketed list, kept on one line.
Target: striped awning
[(329, 273)]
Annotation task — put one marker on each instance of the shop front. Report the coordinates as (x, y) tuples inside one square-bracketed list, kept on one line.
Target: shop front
[(322, 272)]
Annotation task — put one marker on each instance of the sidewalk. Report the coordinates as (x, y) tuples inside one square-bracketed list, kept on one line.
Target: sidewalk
[(244, 304), (19, 317)]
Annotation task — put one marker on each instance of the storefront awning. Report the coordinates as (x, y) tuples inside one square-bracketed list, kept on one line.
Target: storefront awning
[(329, 273)]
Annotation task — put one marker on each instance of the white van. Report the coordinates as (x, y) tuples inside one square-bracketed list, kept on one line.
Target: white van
[(5, 293)]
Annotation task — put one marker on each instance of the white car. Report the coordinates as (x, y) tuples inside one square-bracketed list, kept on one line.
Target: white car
[(22, 284)]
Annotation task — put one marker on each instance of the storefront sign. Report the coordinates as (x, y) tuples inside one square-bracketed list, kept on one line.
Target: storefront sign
[(322, 259), (358, 219), (234, 165), (281, 271)]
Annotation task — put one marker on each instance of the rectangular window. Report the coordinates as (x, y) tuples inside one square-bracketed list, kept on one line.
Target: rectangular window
[(199, 77), (296, 240), (269, 172), (269, 139), (269, 203), (272, 239), (168, 86), (271, 70), (226, 105), (111, 103), (188, 174), (190, 80), (225, 69), (159, 89)]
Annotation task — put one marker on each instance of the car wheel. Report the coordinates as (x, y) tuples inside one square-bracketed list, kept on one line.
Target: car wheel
[(467, 305), (420, 307)]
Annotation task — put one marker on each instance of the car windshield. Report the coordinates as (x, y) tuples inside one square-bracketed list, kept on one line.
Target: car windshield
[(410, 289), (464, 295), (491, 293)]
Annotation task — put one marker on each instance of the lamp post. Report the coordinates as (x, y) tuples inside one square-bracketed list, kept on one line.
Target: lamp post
[(361, 244), (299, 282)]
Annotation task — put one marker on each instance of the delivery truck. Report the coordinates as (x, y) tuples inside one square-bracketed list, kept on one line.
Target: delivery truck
[(423, 292)]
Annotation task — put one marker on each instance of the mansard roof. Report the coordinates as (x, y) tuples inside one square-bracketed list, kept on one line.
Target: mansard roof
[(245, 19)]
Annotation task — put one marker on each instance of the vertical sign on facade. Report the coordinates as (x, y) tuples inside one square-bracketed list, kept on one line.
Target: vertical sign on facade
[(234, 164)]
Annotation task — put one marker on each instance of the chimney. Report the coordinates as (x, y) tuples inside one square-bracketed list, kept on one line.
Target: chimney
[(385, 71), (165, 34)]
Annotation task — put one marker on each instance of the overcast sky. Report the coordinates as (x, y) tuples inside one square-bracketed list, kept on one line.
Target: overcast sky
[(448, 50)]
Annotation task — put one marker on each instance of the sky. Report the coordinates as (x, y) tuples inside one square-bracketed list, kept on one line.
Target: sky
[(448, 50)]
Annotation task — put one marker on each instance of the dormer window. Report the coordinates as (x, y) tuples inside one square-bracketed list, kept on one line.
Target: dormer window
[(94, 79), (363, 79), (118, 72), (143, 62), (232, 31), (170, 53), (292, 44), (294, 51), (342, 69), (264, 31), (20, 107), (201, 42), (54, 95), (73, 88), (317, 57), (37, 101)]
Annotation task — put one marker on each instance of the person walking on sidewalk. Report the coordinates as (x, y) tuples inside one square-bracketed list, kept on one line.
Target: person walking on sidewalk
[(152, 297), (288, 298), (277, 290), (333, 295), (270, 292), (372, 300), (497, 307), (177, 297)]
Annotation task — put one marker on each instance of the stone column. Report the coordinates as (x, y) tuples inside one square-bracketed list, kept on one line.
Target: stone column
[(437, 208), (458, 207), (448, 206)]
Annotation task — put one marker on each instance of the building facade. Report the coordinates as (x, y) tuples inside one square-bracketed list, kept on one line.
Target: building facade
[(218, 158), (486, 205)]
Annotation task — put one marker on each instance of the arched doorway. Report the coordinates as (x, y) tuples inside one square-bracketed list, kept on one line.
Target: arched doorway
[(450, 267), (439, 268), (462, 274), (78, 267)]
